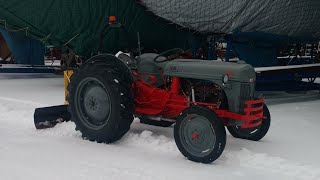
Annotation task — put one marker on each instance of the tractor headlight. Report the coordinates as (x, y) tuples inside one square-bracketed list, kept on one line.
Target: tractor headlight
[(225, 78)]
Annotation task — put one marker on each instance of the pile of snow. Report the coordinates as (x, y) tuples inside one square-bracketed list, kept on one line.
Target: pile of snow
[(289, 152)]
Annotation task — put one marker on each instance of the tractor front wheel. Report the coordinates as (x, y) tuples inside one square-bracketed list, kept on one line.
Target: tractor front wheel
[(254, 134), (199, 134)]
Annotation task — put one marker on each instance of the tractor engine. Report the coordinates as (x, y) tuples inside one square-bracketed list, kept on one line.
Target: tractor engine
[(204, 91)]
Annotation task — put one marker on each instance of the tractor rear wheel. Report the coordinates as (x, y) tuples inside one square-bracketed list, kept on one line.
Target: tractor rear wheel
[(199, 134), (100, 102), (254, 134)]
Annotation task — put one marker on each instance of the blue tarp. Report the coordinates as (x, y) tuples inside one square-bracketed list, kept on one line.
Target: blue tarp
[(25, 50)]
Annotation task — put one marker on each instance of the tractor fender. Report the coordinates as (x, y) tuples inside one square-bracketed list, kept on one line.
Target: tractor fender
[(109, 59)]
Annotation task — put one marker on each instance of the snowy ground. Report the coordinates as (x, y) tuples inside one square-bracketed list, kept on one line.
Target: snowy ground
[(290, 151)]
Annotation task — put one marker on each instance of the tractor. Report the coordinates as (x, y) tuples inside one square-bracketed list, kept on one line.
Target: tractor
[(199, 97)]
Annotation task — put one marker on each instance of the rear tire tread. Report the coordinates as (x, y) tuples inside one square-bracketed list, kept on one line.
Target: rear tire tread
[(106, 72)]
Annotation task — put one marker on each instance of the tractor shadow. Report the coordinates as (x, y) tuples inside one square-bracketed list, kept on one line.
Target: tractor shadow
[(139, 128)]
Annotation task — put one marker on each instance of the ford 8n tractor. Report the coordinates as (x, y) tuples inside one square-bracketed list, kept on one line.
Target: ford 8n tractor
[(199, 97)]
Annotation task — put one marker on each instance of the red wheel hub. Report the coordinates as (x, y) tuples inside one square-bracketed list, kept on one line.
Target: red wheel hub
[(195, 136)]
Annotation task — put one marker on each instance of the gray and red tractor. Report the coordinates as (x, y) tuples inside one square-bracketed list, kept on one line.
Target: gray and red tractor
[(199, 97)]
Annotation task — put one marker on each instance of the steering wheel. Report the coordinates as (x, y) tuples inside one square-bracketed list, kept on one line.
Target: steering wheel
[(168, 55)]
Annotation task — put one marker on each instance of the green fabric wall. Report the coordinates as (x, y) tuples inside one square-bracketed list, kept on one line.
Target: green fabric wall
[(59, 21)]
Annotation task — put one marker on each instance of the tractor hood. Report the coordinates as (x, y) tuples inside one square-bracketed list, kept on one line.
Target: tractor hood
[(210, 70)]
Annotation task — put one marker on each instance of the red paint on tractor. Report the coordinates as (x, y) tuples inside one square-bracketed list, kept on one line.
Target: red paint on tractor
[(195, 136), (230, 73), (153, 101), (175, 85)]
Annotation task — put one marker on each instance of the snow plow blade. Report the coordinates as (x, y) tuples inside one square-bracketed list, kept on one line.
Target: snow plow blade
[(48, 117)]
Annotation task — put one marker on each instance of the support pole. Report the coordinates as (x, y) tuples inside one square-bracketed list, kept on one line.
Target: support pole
[(229, 46)]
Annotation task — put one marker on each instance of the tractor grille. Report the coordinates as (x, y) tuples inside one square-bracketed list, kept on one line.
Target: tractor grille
[(245, 94), (245, 91)]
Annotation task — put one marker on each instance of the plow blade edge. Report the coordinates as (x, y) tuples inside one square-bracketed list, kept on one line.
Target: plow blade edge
[(48, 117)]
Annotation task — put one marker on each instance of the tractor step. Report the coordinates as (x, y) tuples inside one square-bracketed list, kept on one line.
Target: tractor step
[(155, 123), (48, 117)]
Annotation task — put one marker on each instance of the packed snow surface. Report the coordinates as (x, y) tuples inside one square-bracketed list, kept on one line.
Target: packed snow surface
[(290, 151)]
